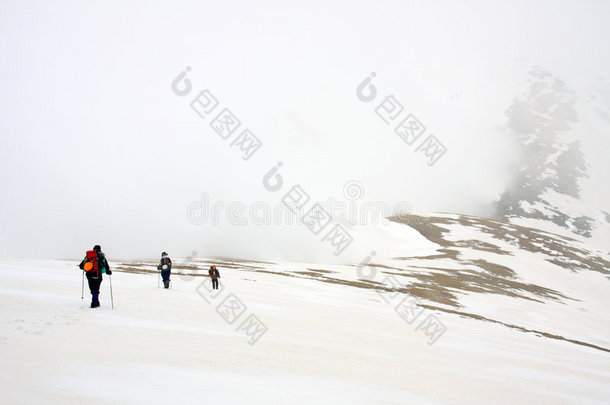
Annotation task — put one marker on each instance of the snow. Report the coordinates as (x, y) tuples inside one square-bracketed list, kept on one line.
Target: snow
[(586, 307), (600, 232), (325, 343)]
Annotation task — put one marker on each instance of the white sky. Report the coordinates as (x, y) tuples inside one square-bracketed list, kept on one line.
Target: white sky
[(97, 148)]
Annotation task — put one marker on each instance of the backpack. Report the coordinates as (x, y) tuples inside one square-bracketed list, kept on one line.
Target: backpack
[(92, 258), (98, 262)]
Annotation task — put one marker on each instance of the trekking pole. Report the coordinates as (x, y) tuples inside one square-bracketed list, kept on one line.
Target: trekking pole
[(158, 278), (82, 290), (111, 298)]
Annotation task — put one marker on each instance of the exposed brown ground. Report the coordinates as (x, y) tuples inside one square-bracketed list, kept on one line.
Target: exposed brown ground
[(560, 249)]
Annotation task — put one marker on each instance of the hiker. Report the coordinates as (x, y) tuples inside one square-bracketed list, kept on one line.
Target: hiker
[(166, 268), (214, 275), (94, 264)]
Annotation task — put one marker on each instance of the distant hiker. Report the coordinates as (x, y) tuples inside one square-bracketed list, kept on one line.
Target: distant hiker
[(166, 268), (95, 264), (214, 275)]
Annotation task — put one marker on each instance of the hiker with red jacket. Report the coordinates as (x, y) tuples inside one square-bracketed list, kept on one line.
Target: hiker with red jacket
[(166, 268), (214, 275), (94, 264)]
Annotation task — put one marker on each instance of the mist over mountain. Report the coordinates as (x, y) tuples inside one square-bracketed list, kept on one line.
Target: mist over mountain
[(99, 149), (547, 183)]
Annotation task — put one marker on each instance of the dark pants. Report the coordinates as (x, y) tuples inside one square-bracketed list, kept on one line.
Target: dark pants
[(214, 284), (94, 283), (165, 276)]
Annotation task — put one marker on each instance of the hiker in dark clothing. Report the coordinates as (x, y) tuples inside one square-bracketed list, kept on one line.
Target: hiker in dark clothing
[(166, 268), (95, 264), (214, 275)]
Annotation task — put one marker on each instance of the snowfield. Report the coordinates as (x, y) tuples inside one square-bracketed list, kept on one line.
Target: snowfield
[(324, 343)]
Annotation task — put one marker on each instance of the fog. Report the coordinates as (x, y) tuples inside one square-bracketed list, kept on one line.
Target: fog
[(100, 147)]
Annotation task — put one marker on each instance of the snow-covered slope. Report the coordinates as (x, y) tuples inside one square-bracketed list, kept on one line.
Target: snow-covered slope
[(495, 314)]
